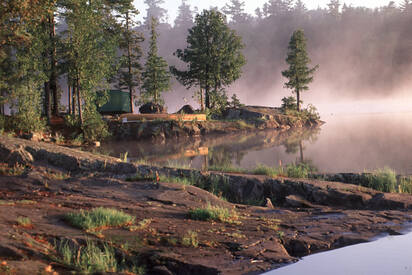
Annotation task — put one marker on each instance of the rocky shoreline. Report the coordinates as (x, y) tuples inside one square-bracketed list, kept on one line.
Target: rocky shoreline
[(304, 216), (245, 119)]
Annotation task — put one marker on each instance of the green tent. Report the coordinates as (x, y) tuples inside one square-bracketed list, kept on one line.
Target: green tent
[(119, 103)]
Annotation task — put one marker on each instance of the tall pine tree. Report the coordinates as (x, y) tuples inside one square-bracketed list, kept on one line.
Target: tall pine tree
[(129, 76), (156, 76), (213, 55), (299, 74)]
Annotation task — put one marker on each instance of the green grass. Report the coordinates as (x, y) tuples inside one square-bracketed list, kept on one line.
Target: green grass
[(405, 185), (214, 213), (190, 239), (227, 169), (16, 170), (267, 170), (24, 221), (299, 170), (92, 258), (98, 218), (382, 180)]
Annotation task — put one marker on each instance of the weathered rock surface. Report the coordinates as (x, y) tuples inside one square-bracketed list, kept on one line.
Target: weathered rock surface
[(307, 216)]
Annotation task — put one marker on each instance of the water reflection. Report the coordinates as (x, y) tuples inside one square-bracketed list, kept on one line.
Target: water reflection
[(221, 150), (344, 144)]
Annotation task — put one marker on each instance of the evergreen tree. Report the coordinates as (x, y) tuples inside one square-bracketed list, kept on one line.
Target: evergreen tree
[(236, 10), (277, 7), (184, 17), (154, 10), (299, 74), (334, 6), (130, 68), (213, 55), (90, 54), (156, 76)]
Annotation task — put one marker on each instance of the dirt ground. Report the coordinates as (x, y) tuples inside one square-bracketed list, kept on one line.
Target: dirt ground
[(262, 238)]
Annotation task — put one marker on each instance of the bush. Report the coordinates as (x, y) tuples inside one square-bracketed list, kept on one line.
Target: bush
[(2, 123), (289, 103), (94, 128), (300, 170), (382, 180)]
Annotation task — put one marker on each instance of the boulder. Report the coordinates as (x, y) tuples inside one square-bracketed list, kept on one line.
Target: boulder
[(152, 108), (186, 109)]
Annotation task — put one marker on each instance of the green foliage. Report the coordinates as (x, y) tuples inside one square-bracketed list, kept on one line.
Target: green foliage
[(213, 56), (156, 76), (299, 170), (267, 170), (98, 218), (190, 239), (129, 74), (214, 213), (89, 258), (405, 185), (288, 103), (235, 103), (2, 123), (382, 180), (298, 74), (94, 128)]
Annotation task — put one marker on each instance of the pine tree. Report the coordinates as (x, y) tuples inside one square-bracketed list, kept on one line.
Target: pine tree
[(129, 76), (154, 10), (299, 74), (236, 10), (184, 17), (156, 76), (213, 55), (90, 54)]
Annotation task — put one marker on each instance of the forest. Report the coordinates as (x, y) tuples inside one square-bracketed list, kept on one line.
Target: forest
[(57, 56)]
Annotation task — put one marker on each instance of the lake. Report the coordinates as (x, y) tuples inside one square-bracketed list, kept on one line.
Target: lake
[(345, 143), (391, 255)]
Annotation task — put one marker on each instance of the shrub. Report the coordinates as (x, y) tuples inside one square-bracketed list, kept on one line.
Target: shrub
[(98, 218), (94, 128), (300, 170), (382, 180)]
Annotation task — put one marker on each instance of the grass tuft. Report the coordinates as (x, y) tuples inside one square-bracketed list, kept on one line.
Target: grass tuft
[(382, 180), (299, 170), (24, 222), (99, 218), (190, 239), (214, 213)]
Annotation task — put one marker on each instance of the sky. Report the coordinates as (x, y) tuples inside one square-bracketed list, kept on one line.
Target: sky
[(250, 5)]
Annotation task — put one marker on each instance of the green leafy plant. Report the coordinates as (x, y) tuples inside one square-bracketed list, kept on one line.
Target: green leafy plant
[(99, 218)]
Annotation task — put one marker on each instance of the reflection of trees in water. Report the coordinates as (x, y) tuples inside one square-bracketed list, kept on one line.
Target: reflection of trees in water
[(221, 156), (236, 147)]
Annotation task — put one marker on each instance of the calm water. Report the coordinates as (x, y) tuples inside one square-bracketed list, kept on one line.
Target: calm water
[(346, 143), (391, 255)]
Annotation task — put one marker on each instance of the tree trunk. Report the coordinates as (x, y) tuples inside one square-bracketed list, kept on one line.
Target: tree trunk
[(69, 98), (53, 64), (298, 100), (79, 106), (301, 151), (129, 64), (47, 106), (202, 106), (207, 97)]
